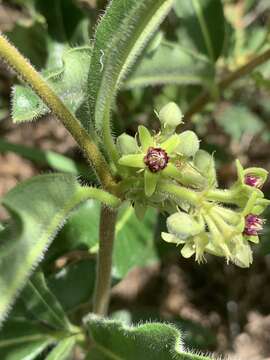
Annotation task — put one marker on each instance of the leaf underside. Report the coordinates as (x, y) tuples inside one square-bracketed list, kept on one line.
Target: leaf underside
[(121, 35)]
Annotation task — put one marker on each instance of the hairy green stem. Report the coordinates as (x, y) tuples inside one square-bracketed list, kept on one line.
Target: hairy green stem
[(98, 194), (205, 97), (224, 196), (26, 71), (180, 192), (104, 263)]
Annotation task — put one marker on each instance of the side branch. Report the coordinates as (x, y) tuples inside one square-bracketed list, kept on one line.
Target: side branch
[(26, 71), (205, 97)]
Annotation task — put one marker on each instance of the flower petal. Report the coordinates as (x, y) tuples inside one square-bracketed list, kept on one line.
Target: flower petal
[(171, 143), (133, 160), (188, 250), (145, 137), (170, 238), (172, 171)]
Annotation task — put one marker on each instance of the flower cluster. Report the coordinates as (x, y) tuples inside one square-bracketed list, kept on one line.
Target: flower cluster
[(165, 155), (168, 171)]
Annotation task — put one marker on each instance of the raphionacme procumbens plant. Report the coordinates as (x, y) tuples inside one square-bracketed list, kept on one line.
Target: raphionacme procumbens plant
[(162, 170)]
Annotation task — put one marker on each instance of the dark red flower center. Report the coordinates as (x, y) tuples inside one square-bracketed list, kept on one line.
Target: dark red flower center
[(253, 180), (156, 159), (253, 225)]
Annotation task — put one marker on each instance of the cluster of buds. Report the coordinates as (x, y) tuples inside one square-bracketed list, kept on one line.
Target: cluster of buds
[(169, 171)]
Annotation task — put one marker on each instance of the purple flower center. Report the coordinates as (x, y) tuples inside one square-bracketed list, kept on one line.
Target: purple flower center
[(156, 159), (253, 180), (253, 225)]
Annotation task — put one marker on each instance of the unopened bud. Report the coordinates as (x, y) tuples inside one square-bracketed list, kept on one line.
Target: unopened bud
[(253, 181), (183, 225), (189, 143), (205, 163), (253, 225), (127, 144), (170, 115)]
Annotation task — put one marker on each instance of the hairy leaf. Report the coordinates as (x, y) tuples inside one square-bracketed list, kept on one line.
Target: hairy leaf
[(184, 67), (38, 208), (153, 341), (120, 37), (63, 351), (69, 82), (202, 26)]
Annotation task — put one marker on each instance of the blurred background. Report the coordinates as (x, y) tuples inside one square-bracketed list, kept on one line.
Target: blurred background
[(220, 307)]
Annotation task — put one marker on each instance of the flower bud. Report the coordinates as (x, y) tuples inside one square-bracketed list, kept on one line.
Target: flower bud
[(189, 143), (253, 181), (170, 115), (127, 144), (183, 225), (253, 225)]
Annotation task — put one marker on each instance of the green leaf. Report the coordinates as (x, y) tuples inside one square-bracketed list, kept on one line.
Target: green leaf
[(69, 82), (73, 285), (38, 208), (134, 246), (49, 158), (78, 233), (42, 304), (134, 241), (184, 68), (237, 120), (202, 26), (63, 351), (22, 339), (53, 26), (121, 35), (30, 39), (152, 341)]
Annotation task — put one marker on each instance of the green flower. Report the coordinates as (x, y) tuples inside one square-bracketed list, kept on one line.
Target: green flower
[(159, 157), (154, 159), (249, 181), (218, 230)]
